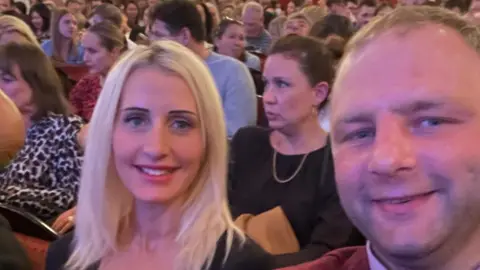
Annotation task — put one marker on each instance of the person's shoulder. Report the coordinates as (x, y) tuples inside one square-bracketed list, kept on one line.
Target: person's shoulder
[(351, 258), (225, 62), (266, 34), (242, 255), (60, 121), (89, 79), (58, 125), (59, 252), (47, 47), (252, 61)]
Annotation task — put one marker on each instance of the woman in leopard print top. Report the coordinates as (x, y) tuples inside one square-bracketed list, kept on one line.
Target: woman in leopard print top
[(43, 178)]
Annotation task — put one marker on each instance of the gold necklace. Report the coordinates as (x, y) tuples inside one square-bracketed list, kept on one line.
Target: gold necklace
[(274, 169)]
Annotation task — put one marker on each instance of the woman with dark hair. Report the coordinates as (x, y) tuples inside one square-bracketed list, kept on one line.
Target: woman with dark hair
[(133, 14), (43, 178), (286, 172), (229, 40), (40, 16)]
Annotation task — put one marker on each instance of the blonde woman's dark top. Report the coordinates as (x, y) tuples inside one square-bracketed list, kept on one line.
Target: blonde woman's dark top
[(246, 256)]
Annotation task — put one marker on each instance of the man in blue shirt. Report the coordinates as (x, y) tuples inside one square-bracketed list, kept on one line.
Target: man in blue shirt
[(179, 20)]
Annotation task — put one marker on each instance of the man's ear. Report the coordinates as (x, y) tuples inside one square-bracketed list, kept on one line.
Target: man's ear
[(184, 36)]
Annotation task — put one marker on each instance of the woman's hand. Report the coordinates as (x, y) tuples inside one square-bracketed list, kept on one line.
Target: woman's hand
[(65, 221)]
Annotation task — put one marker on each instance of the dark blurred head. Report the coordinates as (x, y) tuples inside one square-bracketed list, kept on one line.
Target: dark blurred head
[(20, 7), (177, 20), (366, 12), (207, 20), (40, 16), (107, 12), (332, 24), (459, 6)]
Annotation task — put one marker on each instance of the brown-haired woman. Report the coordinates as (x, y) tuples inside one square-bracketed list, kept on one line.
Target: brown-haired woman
[(63, 46), (288, 169), (43, 178), (103, 43), (229, 40)]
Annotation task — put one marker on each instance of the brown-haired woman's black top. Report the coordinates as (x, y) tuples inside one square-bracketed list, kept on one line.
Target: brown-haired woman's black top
[(309, 200)]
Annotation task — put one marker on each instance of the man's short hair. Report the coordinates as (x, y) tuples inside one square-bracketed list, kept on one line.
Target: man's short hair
[(299, 16), (409, 18), (68, 2), (110, 13), (330, 3), (252, 6), (179, 14)]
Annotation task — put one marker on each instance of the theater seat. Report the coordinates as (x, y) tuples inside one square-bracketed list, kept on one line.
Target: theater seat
[(25, 223), (36, 250), (74, 72), (262, 57)]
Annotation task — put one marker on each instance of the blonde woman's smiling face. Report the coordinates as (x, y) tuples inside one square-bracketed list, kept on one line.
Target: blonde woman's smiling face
[(157, 142)]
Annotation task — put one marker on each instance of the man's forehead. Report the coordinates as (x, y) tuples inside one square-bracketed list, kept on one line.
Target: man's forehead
[(399, 65), (425, 48), (252, 14)]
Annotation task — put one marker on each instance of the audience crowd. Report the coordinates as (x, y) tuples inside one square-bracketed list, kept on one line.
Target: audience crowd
[(240, 134)]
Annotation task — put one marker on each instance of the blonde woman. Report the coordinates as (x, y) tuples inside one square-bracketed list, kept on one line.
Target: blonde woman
[(153, 187), (12, 29)]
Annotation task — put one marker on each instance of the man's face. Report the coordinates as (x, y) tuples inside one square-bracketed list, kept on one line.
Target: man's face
[(73, 7), (339, 9), (159, 31), (405, 135), (365, 14), (253, 23)]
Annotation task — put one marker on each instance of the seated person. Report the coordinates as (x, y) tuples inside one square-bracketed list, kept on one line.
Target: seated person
[(109, 12), (103, 43), (232, 78), (43, 177), (230, 40), (12, 254), (64, 45), (152, 193), (297, 23), (405, 128), (258, 39), (290, 164)]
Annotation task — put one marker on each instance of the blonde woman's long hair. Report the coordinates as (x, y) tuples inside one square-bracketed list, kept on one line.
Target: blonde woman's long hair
[(105, 206), (10, 23)]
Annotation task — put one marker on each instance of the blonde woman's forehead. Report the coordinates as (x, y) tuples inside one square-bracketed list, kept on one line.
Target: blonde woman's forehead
[(158, 91)]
